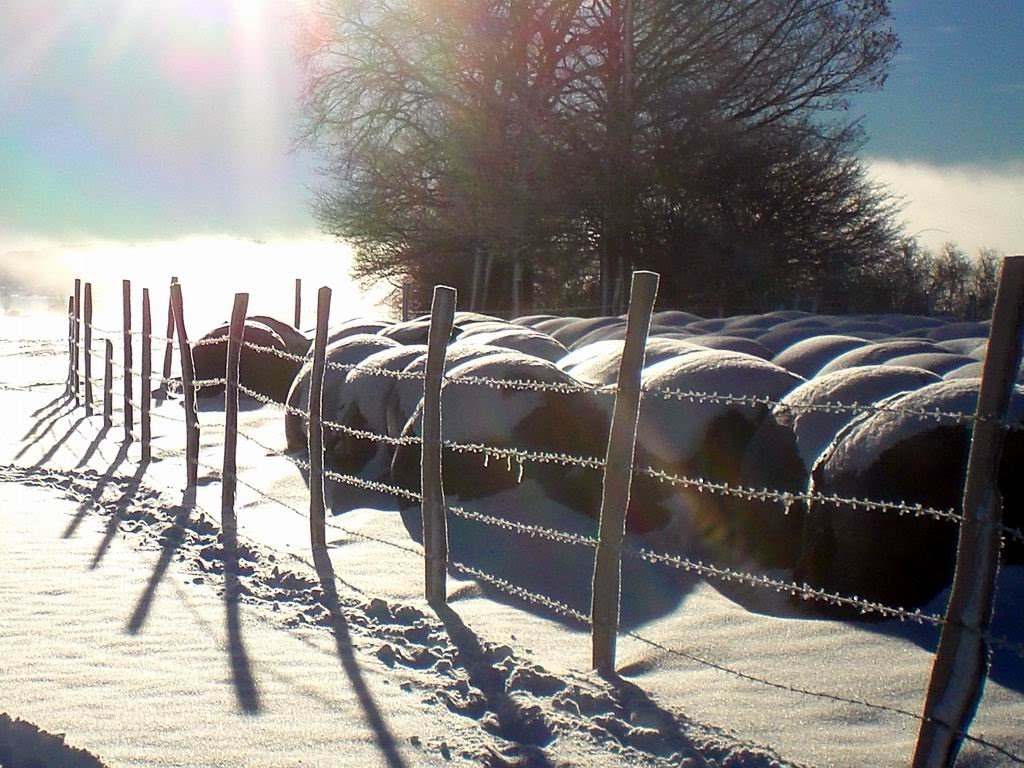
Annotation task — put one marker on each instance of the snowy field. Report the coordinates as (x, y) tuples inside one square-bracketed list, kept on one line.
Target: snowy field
[(123, 630)]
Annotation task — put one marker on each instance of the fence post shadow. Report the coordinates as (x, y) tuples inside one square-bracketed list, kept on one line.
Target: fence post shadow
[(172, 539), (343, 642), (246, 691), (515, 725)]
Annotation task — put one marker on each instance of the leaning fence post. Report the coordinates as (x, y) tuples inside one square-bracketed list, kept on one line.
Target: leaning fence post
[(618, 475), (187, 378), (108, 383), (168, 348), (126, 302), (146, 393), (961, 661), (298, 302), (88, 349), (317, 503), (77, 337), (236, 334), (435, 526)]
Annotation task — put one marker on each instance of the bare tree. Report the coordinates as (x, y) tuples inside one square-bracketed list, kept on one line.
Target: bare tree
[(567, 141)]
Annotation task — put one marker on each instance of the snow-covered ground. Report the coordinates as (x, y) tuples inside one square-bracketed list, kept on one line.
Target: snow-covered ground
[(123, 630)]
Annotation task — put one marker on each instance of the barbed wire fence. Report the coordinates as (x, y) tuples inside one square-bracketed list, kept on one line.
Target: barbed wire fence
[(943, 725)]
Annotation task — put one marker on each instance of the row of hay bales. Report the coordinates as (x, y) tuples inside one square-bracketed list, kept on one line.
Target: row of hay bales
[(891, 366)]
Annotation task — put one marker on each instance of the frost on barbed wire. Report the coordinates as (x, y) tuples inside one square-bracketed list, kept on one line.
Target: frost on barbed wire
[(520, 455), (533, 531), (372, 485), (788, 499), (853, 408)]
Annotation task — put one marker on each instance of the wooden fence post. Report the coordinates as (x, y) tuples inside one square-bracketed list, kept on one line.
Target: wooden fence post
[(87, 361), (108, 383), (126, 304), (187, 379), (77, 337), (317, 503), (146, 393), (961, 661), (435, 525), (69, 390), (169, 347), (405, 301), (618, 475), (236, 334), (298, 302)]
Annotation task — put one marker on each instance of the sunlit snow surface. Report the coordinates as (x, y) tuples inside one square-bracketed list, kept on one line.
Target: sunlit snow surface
[(121, 630)]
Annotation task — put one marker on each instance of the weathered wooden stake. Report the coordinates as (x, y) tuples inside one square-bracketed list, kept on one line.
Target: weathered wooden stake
[(87, 361), (435, 524), (618, 475), (129, 412), (298, 302), (405, 301), (76, 344), (317, 503), (229, 475), (69, 390), (187, 386), (961, 661), (146, 394), (169, 348), (108, 383)]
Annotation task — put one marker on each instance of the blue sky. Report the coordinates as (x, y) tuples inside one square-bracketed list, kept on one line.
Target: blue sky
[(956, 90), (140, 120)]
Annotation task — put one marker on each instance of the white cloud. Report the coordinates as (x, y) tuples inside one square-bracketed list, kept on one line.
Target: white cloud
[(973, 206)]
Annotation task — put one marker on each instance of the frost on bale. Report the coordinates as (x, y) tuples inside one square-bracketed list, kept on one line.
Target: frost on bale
[(501, 417), (899, 455), (259, 370), (787, 444), (348, 351), (701, 435)]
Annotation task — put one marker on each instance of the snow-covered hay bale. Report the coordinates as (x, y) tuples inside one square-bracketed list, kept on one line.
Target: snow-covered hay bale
[(966, 346), (354, 327), (959, 331), (540, 421), (806, 410), (783, 337), (413, 331), (526, 341), (348, 351), (708, 325), (487, 326), (898, 455), (938, 363), (610, 331), (602, 366), (406, 394), (805, 358), (731, 344), (529, 321), (787, 444), (698, 437), (553, 324), (878, 352), (576, 328), (362, 404), (856, 326), (261, 371), (676, 317), (295, 340)]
